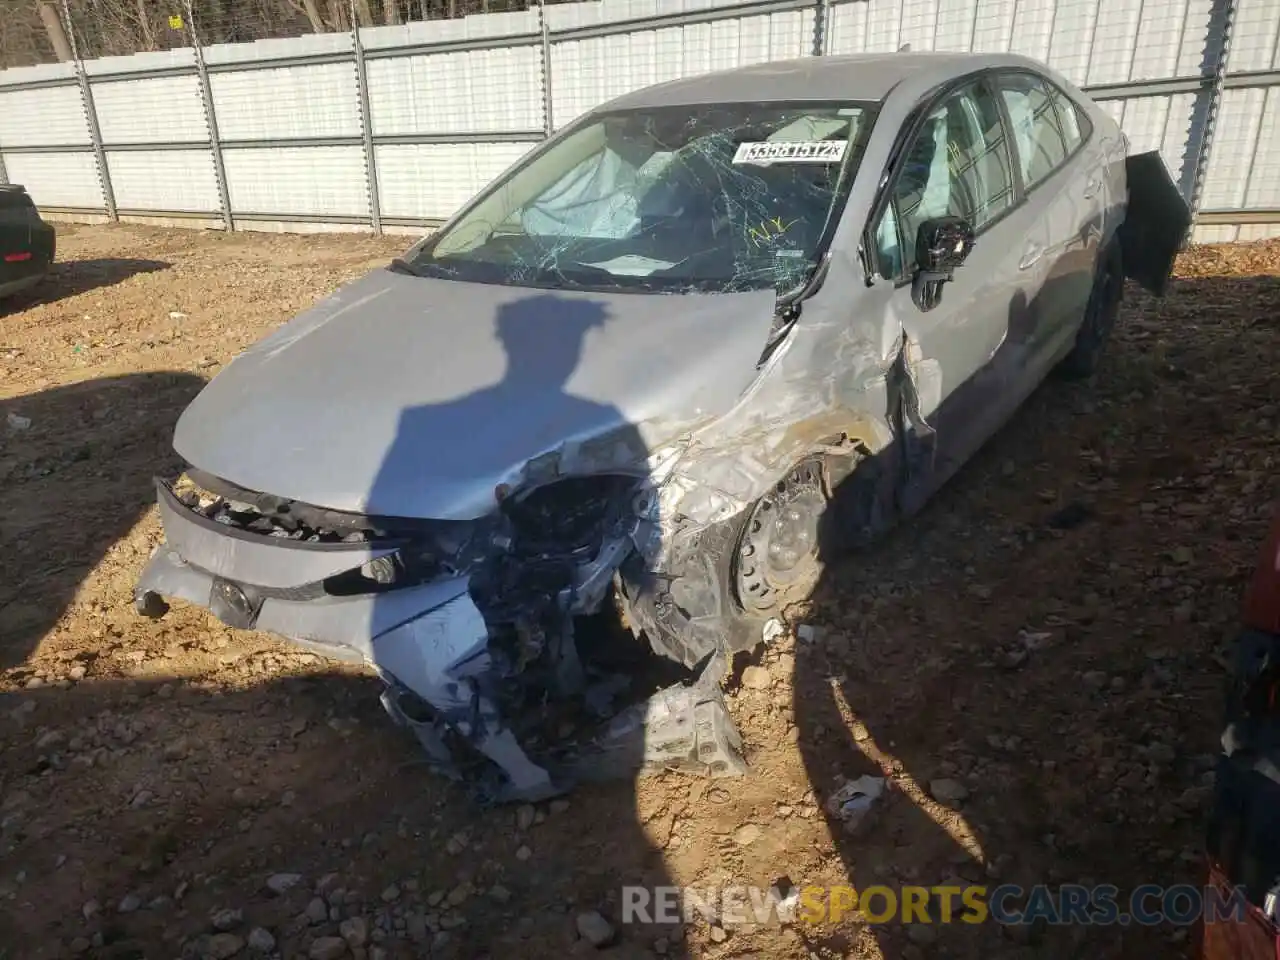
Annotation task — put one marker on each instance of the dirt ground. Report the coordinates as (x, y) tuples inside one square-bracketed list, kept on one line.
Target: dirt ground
[(1035, 663)]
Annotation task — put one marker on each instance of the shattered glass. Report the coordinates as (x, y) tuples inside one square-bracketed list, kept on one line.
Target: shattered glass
[(714, 198)]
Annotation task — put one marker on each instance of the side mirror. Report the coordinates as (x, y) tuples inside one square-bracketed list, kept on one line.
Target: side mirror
[(942, 244)]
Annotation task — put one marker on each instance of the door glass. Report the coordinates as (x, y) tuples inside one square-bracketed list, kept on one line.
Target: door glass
[(957, 165), (1068, 119), (1041, 147)]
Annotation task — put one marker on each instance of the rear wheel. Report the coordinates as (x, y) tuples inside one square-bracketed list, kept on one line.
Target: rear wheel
[(1099, 315)]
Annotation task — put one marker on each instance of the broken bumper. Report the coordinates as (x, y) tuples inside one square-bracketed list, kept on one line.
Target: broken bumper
[(431, 645)]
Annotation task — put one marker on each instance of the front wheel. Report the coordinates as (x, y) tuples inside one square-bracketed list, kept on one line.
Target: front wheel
[(1099, 316)]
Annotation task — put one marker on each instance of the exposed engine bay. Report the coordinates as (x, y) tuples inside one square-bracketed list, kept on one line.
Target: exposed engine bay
[(499, 640)]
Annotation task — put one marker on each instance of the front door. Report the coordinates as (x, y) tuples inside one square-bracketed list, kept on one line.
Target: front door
[(966, 356)]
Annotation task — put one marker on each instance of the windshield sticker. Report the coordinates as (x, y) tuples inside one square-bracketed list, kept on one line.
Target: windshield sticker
[(769, 230), (799, 151)]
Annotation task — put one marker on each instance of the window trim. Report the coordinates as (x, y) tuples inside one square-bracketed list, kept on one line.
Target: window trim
[(897, 159), (1054, 92)]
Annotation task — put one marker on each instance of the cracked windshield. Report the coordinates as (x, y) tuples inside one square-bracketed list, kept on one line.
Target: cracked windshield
[(718, 198)]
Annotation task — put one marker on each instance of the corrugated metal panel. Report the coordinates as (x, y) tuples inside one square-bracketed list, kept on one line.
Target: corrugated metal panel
[(433, 180), (1264, 173), (1159, 39), (312, 43), (1073, 38), (1256, 37), (319, 101), (163, 179), (1164, 124), (150, 111), (39, 72), (50, 117), (303, 180), (437, 31), (586, 73), (1227, 180), (1215, 233), (1114, 43), (993, 28), (1032, 28), (147, 60), (57, 179), (488, 90), (1196, 54)]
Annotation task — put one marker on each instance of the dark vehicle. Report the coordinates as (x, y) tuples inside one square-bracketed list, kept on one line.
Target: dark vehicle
[(1244, 826), (27, 243)]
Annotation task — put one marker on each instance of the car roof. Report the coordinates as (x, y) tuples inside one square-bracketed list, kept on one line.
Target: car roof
[(861, 76)]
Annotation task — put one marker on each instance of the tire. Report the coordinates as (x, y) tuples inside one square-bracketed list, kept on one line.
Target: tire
[(1099, 316), (778, 559)]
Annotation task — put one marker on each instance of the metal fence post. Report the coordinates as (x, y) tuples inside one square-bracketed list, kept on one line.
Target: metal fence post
[(211, 121), (822, 28), (1224, 13), (366, 126), (548, 121), (90, 117)]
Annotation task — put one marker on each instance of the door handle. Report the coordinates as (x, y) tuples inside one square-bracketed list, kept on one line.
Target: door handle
[(1031, 255), (1092, 187)]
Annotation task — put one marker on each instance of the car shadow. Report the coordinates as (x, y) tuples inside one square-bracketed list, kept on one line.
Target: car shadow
[(67, 278), (937, 657), (76, 463), (537, 729)]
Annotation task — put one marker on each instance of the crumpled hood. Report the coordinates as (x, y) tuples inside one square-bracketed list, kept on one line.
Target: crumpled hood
[(413, 397)]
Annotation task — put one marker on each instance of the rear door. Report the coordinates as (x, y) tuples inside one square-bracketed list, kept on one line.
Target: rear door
[(964, 356), (1064, 186)]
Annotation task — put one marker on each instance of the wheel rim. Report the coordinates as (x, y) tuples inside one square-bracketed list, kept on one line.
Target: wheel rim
[(777, 556)]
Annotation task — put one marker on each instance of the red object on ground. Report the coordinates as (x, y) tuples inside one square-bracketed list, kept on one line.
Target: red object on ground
[(1262, 599), (1252, 938)]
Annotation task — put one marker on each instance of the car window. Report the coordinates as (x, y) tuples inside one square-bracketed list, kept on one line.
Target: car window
[(1039, 141), (715, 198), (957, 165), (1075, 127)]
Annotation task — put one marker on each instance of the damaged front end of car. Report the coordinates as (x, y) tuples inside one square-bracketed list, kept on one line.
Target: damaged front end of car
[(489, 634)]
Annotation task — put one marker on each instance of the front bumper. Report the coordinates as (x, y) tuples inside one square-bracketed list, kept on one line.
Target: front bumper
[(431, 645)]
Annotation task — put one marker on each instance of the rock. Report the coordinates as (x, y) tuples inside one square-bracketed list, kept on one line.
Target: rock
[(391, 893), (948, 791), (226, 918), (1094, 679), (130, 903), (559, 805), (718, 934), (922, 933), (499, 893), (661, 946), (90, 909), (327, 948), (594, 928), (220, 946), (524, 816), (176, 749), (282, 883), (458, 895), (756, 678), (53, 738), (77, 672), (747, 834), (317, 910), (355, 931), (80, 945), (523, 853), (417, 927), (261, 940)]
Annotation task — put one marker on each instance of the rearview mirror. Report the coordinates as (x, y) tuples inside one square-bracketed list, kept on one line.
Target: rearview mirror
[(942, 244)]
